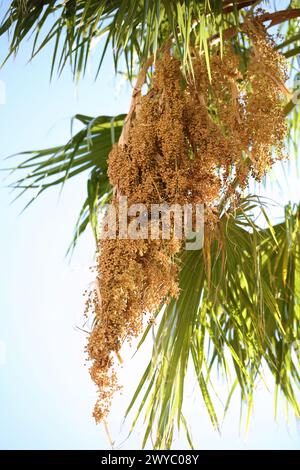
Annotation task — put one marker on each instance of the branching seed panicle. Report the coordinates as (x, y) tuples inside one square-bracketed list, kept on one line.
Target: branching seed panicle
[(190, 140)]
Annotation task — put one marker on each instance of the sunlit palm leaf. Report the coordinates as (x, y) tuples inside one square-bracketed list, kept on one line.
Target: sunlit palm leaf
[(133, 29), (247, 316), (86, 151)]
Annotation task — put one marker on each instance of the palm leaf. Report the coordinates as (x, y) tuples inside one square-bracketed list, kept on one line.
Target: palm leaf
[(247, 317), (134, 29)]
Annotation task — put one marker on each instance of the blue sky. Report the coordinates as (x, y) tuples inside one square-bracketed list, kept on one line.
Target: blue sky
[(46, 395)]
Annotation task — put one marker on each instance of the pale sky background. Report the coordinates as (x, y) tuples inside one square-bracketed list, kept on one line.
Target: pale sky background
[(46, 395)]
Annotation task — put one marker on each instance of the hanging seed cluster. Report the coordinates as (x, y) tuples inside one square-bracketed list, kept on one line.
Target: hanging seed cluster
[(191, 140)]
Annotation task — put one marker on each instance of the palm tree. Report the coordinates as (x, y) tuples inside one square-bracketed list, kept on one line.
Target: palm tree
[(239, 304)]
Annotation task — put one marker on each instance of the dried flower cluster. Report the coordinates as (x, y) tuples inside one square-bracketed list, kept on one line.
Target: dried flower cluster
[(190, 141)]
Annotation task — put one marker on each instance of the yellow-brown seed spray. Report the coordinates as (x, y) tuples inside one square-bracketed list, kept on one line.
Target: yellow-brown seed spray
[(189, 141)]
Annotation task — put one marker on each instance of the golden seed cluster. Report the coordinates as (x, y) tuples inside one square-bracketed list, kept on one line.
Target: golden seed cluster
[(191, 140)]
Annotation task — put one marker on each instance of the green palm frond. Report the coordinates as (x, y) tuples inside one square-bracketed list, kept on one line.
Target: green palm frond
[(99, 192), (238, 309), (86, 151), (132, 29)]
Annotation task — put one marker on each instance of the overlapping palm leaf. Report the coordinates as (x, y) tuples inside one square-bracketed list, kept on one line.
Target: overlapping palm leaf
[(238, 313), (131, 29), (86, 151), (135, 29)]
